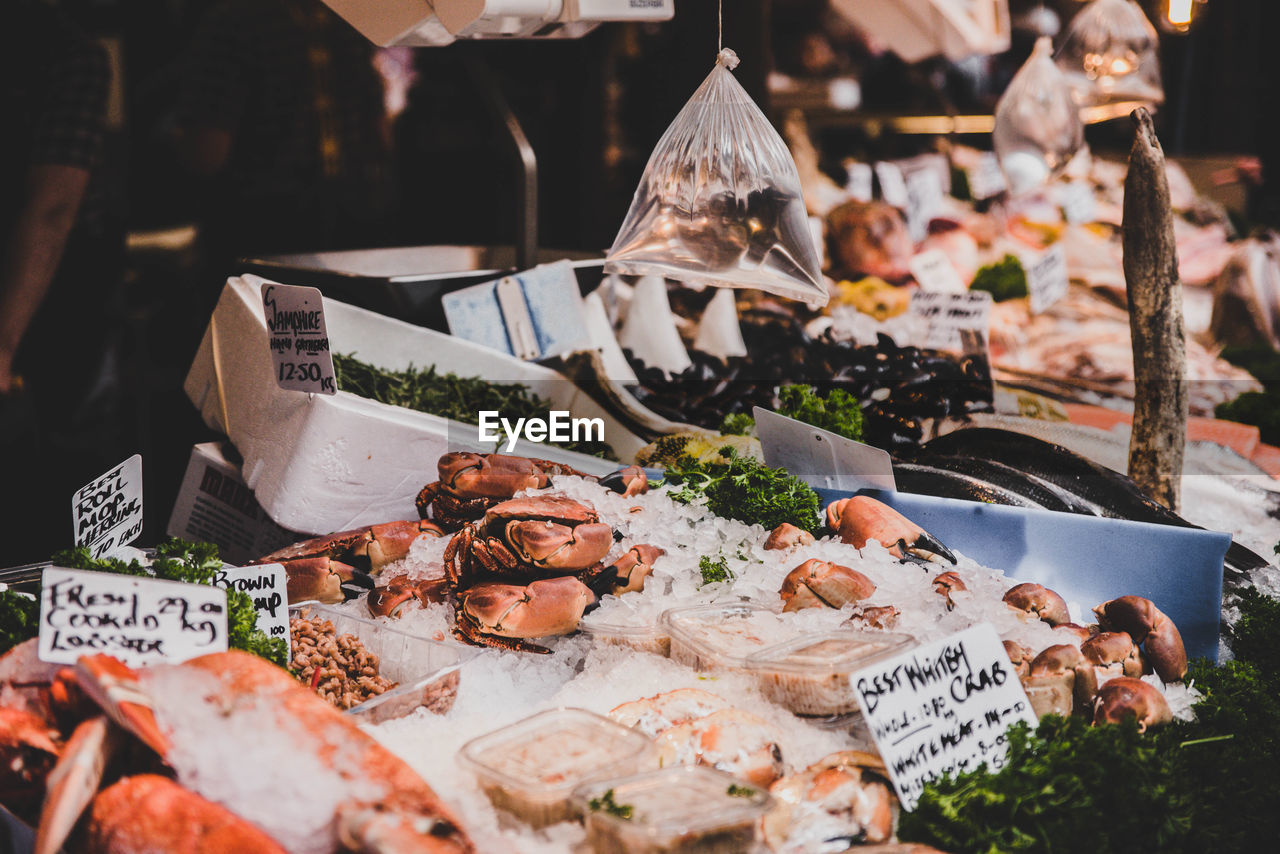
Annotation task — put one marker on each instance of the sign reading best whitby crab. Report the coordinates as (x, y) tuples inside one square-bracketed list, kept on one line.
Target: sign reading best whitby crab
[(942, 708)]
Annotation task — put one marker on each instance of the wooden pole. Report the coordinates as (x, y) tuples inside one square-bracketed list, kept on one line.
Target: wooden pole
[(1155, 320)]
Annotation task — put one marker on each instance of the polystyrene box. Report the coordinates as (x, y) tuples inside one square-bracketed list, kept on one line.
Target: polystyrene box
[(321, 463)]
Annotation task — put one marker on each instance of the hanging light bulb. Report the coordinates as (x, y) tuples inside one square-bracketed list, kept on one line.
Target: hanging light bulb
[(1180, 13)]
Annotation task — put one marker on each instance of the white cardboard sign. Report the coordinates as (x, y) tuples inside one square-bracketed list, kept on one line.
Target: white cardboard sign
[(1078, 203), (942, 708), (1047, 279), (107, 511), (986, 179), (137, 620), (893, 187), (933, 272), (267, 585), (947, 315), (819, 457), (859, 184), (924, 201), (298, 338)]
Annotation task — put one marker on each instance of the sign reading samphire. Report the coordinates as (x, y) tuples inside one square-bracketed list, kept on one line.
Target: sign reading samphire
[(107, 511), (298, 338), (942, 708), (558, 427), (137, 620), (268, 585)]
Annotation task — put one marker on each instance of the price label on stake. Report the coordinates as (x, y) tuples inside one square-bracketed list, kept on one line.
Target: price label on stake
[(107, 511), (1047, 278), (933, 272), (893, 187), (137, 620), (1078, 203), (267, 585), (942, 708), (949, 315), (298, 338), (924, 201), (985, 179), (859, 184)]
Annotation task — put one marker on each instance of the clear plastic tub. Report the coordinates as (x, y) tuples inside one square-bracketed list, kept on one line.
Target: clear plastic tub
[(651, 638), (691, 810), (721, 637), (428, 671), (811, 675), (530, 769)]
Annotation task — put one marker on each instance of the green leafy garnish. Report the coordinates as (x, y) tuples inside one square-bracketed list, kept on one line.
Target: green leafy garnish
[(192, 563), (1259, 409), (738, 424), (1004, 280), (736, 791), (742, 488), (19, 618), (606, 803), (448, 395), (714, 570), (837, 411)]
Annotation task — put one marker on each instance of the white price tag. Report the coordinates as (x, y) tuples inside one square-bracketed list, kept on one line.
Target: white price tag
[(1078, 202), (942, 708), (1047, 278), (924, 201), (893, 187), (137, 620), (859, 185), (949, 315), (933, 272), (985, 179), (107, 511), (268, 586), (298, 338)]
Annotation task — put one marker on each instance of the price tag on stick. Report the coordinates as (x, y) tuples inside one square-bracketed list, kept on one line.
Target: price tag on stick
[(893, 186), (1047, 279), (942, 708), (267, 585), (985, 178), (859, 183), (948, 315), (298, 338), (933, 272), (107, 511), (137, 620)]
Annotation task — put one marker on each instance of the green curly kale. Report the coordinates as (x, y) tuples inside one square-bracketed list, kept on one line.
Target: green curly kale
[(837, 411), (1004, 280), (192, 563), (742, 488), (738, 424), (19, 618)]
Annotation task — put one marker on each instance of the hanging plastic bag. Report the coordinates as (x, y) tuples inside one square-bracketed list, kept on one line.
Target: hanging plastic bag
[(1109, 55), (720, 202), (1038, 127)]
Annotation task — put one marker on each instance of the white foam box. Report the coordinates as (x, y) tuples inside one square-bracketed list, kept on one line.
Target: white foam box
[(323, 463), (215, 505)]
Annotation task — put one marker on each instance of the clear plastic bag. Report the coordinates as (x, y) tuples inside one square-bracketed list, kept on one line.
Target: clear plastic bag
[(1109, 55), (1038, 128), (720, 202)]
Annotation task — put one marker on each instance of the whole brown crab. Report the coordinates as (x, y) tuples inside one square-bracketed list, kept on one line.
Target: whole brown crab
[(518, 571), (471, 483)]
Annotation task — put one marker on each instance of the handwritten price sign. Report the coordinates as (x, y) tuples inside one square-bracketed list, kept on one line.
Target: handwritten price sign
[(107, 512), (267, 585), (298, 338), (942, 708), (138, 620)]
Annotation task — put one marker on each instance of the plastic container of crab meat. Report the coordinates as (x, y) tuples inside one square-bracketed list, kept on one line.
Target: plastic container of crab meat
[(427, 672), (722, 637), (687, 810), (813, 674), (642, 638), (531, 768)]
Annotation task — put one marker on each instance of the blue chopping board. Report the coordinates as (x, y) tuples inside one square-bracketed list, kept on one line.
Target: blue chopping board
[(1086, 559)]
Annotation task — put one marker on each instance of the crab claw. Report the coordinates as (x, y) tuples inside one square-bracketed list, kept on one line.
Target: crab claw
[(29, 748), (1065, 662), (552, 546), (883, 617), (489, 475), (389, 599), (1039, 601), (630, 571), (1113, 652), (820, 583), (1125, 697), (629, 482), (74, 781), (390, 541), (860, 518), (1020, 656), (787, 536), (550, 606), (1147, 625), (947, 583), (317, 578)]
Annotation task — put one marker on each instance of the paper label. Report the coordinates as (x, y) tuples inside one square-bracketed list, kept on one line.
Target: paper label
[(985, 179), (942, 708), (298, 338), (535, 314), (1078, 202), (924, 201), (933, 272), (893, 187), (821, 458), (950, 315), (1047, 279), (859, 184), (267, 585), (107, 512), (137, 620)]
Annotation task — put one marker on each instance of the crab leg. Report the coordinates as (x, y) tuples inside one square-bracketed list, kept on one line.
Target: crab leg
[(113, 685), (73, 782)]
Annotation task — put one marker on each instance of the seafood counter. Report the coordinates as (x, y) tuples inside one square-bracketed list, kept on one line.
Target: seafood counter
[(610, 666)]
